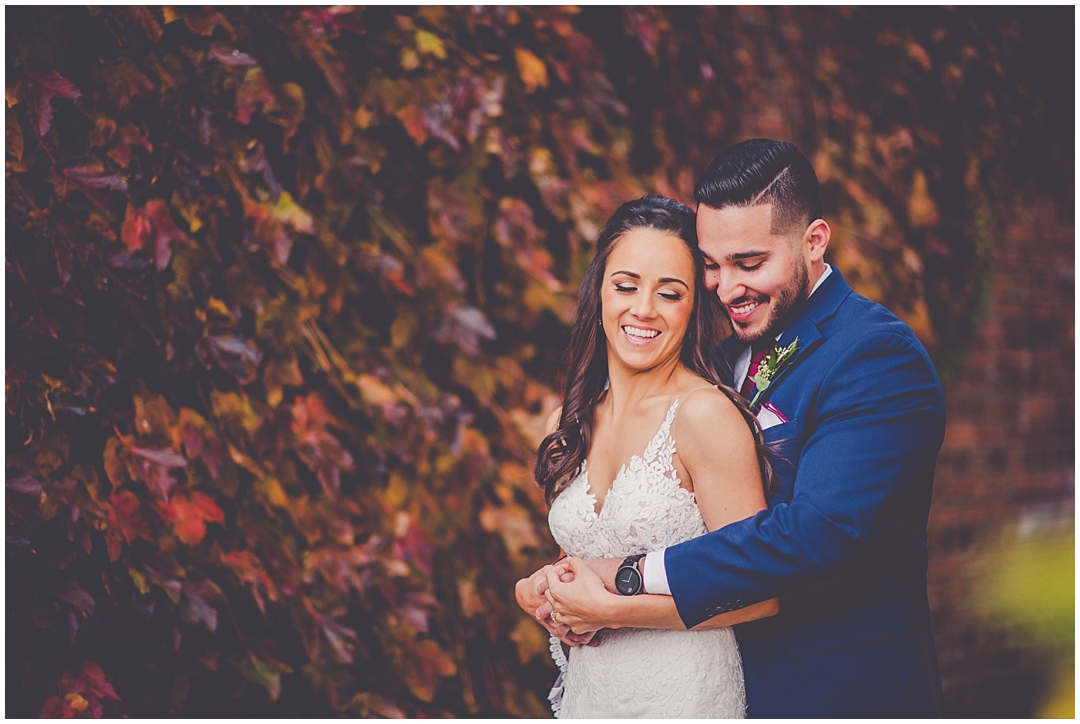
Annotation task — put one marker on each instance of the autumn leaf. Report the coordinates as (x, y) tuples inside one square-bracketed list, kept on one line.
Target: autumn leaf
[(188, 513), (152, 465), (430, 44), (152, 228), (249, 570), (253, 92), (128, 137), (146, 20), (74, 595), (532, 70), (231, 56), (272, 226), (95, 176), (465, 327), (124, 523), (124, 81), (13, 138), (25, 484), (195, 605), (425, 665), (265, 673), (47, 86)]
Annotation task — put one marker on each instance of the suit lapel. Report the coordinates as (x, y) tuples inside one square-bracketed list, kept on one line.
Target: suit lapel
[(806, 329)]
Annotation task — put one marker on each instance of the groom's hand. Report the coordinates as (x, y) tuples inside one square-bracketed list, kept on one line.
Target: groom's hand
[(606, 568), (530, 596)]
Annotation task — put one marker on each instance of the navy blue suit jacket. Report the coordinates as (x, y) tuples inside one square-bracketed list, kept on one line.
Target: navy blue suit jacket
[(843, 542)]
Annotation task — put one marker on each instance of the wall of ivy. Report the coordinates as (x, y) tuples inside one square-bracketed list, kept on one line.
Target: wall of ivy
[(287, 290)]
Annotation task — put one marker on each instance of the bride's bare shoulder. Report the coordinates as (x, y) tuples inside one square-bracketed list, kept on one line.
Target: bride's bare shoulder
[(709, 413)]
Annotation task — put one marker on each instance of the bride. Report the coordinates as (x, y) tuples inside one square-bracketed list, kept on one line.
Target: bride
[(649, 450)]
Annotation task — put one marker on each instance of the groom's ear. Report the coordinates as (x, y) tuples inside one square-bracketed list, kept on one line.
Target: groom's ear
[(817, 237)]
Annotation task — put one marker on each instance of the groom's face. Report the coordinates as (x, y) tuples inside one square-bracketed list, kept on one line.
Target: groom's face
[(760, 278)]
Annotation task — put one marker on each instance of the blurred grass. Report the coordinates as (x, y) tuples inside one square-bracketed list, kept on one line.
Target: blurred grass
[(1028, 585)]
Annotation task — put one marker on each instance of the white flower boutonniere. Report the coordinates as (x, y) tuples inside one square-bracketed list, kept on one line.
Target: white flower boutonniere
[(770, 367)]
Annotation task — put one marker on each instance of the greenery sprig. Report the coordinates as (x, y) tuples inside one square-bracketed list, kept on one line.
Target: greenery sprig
[(770, 367)]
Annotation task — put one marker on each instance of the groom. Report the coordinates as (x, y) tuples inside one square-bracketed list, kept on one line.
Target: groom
[(857, 414)]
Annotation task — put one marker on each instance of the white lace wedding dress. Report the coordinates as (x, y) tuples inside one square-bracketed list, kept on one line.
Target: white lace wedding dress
[(642, 673)]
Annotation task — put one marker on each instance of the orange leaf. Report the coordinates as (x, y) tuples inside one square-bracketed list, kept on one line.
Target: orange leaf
[(187, 515), (532, 70)]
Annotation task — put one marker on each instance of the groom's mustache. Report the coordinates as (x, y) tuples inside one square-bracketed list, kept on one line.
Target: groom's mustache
[(746, 299)]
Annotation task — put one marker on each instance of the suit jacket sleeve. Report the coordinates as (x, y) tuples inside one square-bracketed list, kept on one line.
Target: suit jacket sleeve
[(875, 425)]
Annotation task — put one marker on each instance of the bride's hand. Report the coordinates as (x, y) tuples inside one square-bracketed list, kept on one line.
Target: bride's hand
[(531, 596), (578, 595)]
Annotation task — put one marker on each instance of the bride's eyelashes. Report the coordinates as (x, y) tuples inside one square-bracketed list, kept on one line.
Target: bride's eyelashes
[(672, 296)]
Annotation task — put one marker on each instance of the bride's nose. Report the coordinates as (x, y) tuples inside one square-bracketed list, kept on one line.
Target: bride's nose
[(644, 306)]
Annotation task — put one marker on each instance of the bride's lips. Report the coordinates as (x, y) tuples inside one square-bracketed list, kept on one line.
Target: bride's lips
[(639, 336)]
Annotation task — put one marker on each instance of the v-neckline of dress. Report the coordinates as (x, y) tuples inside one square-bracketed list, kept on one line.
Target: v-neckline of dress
[(665, 424)]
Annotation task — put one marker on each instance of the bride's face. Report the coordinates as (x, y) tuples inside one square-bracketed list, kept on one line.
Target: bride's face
[(647, 298)]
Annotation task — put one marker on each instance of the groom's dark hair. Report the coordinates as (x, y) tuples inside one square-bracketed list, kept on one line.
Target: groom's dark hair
[(760, 171)]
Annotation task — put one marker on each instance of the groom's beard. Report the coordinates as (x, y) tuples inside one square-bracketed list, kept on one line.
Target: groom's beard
[(787, 306)]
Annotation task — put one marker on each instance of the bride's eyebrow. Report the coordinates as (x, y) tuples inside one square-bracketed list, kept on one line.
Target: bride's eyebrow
[(664, 280)]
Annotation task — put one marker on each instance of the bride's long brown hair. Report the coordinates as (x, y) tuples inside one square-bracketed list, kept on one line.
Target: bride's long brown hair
[(562, 452)]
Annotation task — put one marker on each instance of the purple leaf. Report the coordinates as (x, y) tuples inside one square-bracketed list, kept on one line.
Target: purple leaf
[(96, 176), (231, 56), (25, 484), (161, 456), (72, 593)]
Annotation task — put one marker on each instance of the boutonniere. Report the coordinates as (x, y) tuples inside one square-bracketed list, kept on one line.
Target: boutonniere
[(770, 367)]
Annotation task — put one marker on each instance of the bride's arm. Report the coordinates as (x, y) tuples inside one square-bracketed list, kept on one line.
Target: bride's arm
[(717, 450), (586, 605)]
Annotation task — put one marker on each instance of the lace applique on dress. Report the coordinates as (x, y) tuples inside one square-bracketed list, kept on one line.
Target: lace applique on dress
[(637, 673)]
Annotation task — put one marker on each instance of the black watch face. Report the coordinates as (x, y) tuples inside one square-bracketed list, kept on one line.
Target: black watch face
[(628, 581)]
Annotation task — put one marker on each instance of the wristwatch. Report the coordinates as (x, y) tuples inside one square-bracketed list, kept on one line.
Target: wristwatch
[(628, 578)]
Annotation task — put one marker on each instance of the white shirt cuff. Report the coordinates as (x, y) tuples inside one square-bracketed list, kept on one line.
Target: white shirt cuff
[(654, 574)]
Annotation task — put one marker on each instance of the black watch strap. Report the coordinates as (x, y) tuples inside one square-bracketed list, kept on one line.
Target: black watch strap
[(628, 579)]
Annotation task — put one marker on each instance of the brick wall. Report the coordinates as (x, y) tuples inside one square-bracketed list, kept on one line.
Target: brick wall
[(1008, 455)]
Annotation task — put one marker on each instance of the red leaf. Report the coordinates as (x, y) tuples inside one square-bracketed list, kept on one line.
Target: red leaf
[(129, 136), (151, 227), (136, 229), (93, 682), (187, 515), (96, 176), (254, 90), (56, 708), (46, 87), (124, 522)]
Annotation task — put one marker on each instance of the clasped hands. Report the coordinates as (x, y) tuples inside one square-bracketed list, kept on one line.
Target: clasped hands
[(574, 590)]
